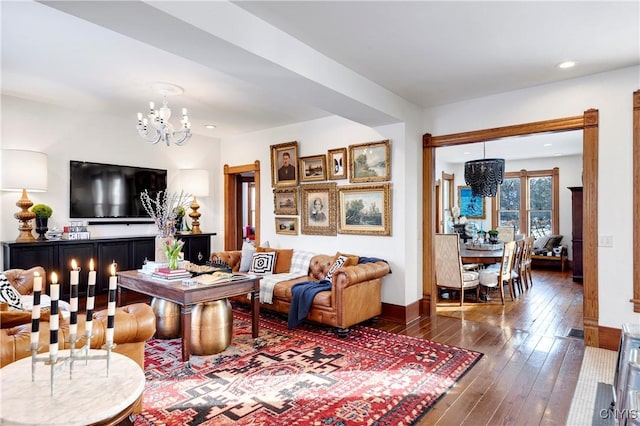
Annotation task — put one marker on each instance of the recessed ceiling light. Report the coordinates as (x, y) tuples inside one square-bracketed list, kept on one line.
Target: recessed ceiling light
[(566, 64), (558, 154), (466, 153), (548, 144), (210, 126)]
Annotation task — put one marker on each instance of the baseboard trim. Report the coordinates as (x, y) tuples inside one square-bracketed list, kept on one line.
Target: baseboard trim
[(401, 314), (609, 338)]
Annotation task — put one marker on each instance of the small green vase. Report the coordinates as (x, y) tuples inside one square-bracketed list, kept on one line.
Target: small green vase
[(173, 262)]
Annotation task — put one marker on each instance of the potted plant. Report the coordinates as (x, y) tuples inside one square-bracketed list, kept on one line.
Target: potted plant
[(493, 236), (43, 212)]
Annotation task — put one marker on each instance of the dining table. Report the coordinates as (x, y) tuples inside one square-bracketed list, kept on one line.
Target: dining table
[(485, 257)]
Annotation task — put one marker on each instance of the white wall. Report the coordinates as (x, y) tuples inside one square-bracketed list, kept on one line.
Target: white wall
[(65, 135), (610, 93), (315, 138)]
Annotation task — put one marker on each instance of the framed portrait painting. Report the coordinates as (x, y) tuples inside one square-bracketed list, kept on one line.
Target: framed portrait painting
[(313, 168), (364, 209), (287, 225), (285, 200), (284, 158), (318, 202), (369, 162), (337, 163), (470, 206)]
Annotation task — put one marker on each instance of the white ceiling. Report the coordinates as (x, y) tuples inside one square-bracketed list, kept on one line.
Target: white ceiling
[(252, 65)]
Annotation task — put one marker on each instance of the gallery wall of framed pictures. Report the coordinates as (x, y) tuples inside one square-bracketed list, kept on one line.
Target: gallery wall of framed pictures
[(301, 188)]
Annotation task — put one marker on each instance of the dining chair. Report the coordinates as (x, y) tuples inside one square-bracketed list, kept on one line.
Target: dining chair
[(506, 233), (449, 271), (526, 261), (499, 275), (517, 268)]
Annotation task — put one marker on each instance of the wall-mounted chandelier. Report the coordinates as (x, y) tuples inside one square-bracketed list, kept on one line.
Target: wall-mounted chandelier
[(155, 127), (484, 176)]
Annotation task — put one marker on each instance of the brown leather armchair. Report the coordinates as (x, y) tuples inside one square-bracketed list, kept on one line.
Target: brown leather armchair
[(134, 325)]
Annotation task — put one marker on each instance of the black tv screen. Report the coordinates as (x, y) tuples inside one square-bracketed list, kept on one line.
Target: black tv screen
[(111, 191)]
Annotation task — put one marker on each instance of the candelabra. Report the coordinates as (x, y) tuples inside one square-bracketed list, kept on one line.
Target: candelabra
[(54, 359)]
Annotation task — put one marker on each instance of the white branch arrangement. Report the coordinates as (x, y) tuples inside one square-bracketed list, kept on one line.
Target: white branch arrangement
[(164, 208)]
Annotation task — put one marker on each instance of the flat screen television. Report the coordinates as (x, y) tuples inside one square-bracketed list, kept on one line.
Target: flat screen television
[(111, 191)]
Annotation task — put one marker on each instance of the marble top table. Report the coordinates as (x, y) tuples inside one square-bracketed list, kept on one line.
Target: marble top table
[(90, 397)]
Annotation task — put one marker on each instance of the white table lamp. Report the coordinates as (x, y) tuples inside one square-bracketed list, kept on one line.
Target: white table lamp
[(22, 171), (195, 182)]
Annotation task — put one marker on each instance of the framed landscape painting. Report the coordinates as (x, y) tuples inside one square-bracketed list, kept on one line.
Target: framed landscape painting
[(470, 206), (337, 163), (313, 168), (284, 158), (285, 201), (364, 209), (287, 225), (369, 162), (318, 203)]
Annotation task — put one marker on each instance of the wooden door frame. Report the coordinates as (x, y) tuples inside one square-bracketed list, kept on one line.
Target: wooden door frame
[(636, 201), (588, 123), (232, 200)]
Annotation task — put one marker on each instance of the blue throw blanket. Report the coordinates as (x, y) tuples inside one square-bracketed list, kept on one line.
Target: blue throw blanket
[(362, 260), (302, 295)]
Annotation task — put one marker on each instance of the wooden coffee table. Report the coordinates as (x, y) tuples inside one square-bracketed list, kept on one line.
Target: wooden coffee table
[(187, 296)]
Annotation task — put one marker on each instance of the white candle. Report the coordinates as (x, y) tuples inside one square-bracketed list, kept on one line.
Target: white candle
[(35, 312), (111, 306), (91, 291), (73, 301), (54, 288)]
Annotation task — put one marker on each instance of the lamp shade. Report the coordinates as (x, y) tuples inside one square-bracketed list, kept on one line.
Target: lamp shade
[(195, 181), (24, 170)]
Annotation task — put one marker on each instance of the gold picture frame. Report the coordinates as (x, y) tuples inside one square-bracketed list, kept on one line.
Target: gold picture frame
[(370, 162), (287, 225), (313, 168), (470, 207), (284, 158), (364, 209), (337, 164), (318, 203), (285, 200)]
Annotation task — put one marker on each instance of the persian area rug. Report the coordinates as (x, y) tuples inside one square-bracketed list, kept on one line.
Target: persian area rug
[(303, 376)]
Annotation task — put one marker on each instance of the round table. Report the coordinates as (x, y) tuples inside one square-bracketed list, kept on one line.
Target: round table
[(89, 397)]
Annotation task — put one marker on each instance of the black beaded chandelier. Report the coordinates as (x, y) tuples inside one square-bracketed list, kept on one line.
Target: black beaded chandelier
[(484, 176)]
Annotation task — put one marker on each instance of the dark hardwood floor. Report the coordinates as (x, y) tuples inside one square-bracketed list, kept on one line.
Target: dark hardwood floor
[(530, 367)]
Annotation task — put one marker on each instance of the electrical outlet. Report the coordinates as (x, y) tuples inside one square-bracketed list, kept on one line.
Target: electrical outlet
[(605, 241)]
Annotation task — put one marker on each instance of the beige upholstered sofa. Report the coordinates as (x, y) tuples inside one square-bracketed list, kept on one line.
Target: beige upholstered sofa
[(355, 294)]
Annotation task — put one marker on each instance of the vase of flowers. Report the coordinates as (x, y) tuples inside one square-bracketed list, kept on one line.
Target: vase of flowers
[(163, 209), (172, 250)]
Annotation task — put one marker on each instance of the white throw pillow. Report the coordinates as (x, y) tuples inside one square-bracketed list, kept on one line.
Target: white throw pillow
[(246, 256), (263, 263), (541, 241), (9, 294)]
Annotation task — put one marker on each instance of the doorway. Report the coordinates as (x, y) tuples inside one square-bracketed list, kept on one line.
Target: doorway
[(241, 204), (588, 123)]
